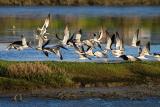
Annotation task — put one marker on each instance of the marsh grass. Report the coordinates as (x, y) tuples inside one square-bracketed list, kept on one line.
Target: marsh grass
[(37, 72), (69, 74)]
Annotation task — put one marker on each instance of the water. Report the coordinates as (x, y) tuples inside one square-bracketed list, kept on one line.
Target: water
[(39, 102), (125, 20)]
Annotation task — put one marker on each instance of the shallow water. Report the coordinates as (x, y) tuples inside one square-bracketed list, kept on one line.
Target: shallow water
[(123, 19), (39, 102), (68, 55)]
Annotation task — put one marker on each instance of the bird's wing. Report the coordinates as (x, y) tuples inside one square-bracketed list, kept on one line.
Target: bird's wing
[(46, 22), (60, 55), (46, 53), (70, 39), (101, 34), (118, 41), (58, 37), (78, 37), (66, 35), (148, 46), (135, 40), (109, 42), (61, 46), (45, 44), (40, 42)]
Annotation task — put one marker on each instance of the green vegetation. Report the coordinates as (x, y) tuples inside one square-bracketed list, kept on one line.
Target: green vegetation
[(31, 75), (79, 2)]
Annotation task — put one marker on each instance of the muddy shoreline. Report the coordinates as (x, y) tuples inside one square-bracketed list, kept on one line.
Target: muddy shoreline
[(78, 2), (128, 92)]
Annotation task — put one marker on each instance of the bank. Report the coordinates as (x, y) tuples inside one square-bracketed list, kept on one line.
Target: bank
[(78, 2), (46, 77)]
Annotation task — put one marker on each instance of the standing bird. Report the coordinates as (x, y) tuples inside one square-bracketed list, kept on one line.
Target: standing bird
[(20, 45)]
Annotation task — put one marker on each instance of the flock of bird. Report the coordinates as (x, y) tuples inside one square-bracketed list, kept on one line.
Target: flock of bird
[(85, 48)]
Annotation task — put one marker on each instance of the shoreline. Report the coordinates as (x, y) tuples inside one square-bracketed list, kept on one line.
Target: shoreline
[(130, 92), (78, 3)]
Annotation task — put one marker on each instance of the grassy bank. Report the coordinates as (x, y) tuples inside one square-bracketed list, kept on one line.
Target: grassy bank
[(32, 75), (79, 2)]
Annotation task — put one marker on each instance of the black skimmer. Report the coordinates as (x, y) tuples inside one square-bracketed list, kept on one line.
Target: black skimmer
[(119, 46), (109, 41), (144, 51), (157, 55), (43, 30), (20, 45), (79, 49), (54, 49), (65, 38), (129, 58), (92, 42), (41, 40)]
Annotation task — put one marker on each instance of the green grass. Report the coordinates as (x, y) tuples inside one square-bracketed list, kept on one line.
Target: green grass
[(30, 75)]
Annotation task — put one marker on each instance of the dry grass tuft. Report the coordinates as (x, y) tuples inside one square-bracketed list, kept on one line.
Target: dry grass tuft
[(38, 72), (23, 69)]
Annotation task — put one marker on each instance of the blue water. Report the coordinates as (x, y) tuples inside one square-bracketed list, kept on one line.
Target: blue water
[(68, 55), (39, 102), (141, 11)]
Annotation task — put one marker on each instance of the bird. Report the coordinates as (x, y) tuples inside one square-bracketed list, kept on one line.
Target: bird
[(20, 45), (157, 55), (41, 41), (99, 40), (65, 38), (78, 37), (43, 29), (129, 58), (79, 49), (144, 51), (119, 46), (54, 49), (97, 53), (101, 54), (18, 97), (109, 41), (101, 35), (40, 33)]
